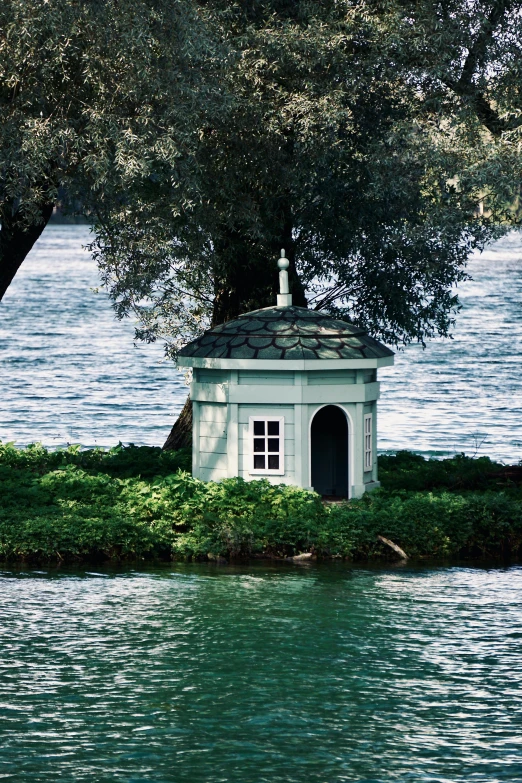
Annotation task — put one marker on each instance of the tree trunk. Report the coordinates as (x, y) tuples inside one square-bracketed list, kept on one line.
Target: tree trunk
[(247, 278), (181, 433), (16, 240)]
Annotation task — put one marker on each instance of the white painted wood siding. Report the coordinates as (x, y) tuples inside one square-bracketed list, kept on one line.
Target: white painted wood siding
[(254, 377), (212, 441), (329, 377)]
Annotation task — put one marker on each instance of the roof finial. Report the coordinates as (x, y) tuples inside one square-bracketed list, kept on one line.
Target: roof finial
[(284, 298)]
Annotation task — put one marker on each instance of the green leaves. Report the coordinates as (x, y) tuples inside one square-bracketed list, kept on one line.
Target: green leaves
[(54, 508), (201, 137), (338, 137), (94, 98), (408, 471)]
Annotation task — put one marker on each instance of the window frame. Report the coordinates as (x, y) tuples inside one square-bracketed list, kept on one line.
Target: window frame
[(368, 439), (266, 471)]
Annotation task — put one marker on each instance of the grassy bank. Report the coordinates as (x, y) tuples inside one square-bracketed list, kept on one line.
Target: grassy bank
[(133, 502)]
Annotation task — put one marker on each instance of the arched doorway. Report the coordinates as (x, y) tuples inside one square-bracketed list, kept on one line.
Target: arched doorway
[(329, 452)]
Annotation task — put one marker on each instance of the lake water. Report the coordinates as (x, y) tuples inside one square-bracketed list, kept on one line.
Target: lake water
[(262, 673), (257, 674), (70, 373)]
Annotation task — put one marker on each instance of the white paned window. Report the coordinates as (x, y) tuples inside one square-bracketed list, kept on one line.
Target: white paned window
[(266, 442), (368, 441)]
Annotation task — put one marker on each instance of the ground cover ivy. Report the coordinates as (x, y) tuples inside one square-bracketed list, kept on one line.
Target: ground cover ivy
[(139, 502)]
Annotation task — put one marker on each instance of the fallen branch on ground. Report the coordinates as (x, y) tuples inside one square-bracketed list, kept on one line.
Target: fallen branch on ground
[(393, 546)]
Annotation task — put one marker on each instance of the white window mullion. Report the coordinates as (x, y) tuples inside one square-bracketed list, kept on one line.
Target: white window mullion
[(368, 451)]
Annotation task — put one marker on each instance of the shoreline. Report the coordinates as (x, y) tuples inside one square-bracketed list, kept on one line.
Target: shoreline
[(139, 504), (115, 567)]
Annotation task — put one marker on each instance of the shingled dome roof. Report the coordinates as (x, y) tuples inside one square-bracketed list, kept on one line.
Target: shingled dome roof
[(286, 333)]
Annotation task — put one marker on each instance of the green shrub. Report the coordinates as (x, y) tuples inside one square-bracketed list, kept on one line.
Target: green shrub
[(132, 502), (122, 461), (406, 470), (427, 524)]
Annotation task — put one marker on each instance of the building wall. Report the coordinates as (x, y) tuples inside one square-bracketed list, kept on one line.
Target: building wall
[(211, 444), (223, 402)]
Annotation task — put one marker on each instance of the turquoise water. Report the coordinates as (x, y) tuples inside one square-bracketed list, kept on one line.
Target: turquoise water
[(262, 673), (70, 373)]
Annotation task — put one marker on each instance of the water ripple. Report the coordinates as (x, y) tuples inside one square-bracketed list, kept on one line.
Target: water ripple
[(465, 394), (262, 674)]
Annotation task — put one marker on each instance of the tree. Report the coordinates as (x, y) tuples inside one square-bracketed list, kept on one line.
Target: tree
[(357, 137), (360, 138), (94, 94)]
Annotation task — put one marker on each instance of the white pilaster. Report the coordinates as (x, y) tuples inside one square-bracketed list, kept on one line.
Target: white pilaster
[(232, 440), (195, 438), (358, 472)]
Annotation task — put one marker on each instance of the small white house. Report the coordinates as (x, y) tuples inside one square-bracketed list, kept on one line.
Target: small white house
[(287, 394)]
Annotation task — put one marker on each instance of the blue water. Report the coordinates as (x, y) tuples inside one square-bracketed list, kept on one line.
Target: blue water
[(261, 674), (465, 394), (70, 373)]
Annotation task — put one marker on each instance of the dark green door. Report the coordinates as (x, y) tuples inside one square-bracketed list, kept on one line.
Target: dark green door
[(329, 442)]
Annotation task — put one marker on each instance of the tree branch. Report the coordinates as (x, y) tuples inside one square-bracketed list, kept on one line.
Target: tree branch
[(465, 88), (477, 53)]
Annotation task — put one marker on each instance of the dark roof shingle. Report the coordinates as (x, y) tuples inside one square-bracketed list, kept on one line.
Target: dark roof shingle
[(286, 333)]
